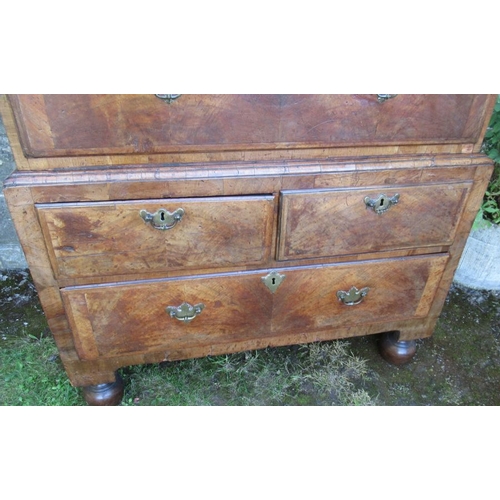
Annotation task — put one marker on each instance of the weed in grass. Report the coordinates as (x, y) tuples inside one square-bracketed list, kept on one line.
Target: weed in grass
[(334, 370)]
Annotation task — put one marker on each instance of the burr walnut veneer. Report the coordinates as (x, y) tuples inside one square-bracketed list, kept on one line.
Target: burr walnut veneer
[(164, 227)]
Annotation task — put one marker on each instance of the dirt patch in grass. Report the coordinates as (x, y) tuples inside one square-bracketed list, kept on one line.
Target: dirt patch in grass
[(458, 365), (20, 310)]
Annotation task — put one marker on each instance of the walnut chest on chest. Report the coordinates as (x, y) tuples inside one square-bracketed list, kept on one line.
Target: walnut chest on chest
[(165, 227)]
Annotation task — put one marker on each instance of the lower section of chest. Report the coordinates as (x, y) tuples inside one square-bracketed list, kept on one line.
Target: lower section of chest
[(221, 309), (141, 266)]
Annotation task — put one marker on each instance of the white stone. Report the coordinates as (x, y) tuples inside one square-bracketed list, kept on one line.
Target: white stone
[(479, 267)]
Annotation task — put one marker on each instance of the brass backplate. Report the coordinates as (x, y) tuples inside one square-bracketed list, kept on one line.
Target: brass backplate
[(353, 296)]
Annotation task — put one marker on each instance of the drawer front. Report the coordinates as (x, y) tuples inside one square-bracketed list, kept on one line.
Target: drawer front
[(133, 317), (396, 289), (76, 125), (127, 318), (122, 238), (334, 222)]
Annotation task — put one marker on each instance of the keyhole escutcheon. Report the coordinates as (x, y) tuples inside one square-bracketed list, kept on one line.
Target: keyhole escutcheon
[(273, 280), (162, 219), (381, 204)]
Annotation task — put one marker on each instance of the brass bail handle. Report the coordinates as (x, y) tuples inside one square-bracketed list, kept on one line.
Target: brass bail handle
[(168, 97), (353, 296), (385, 97), (185, 312)]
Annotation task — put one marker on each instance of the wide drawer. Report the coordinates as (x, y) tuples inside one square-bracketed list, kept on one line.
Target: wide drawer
[(140, 317), (333, 222), (76, 125), (121, 238)]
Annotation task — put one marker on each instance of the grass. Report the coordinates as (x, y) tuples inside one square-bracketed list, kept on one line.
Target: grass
[(32, 375), (313, 374)]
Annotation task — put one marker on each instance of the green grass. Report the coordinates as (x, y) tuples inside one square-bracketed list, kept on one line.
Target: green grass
[(31, 374), (314, 374)]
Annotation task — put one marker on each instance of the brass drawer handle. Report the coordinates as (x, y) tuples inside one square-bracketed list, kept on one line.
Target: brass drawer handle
[(162, 219), (381, 204), (385, 97), (168, 97), (353, 296), (185, 312)]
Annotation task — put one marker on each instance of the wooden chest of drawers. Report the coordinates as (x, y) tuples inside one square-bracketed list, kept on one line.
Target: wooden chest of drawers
[(164, 227)]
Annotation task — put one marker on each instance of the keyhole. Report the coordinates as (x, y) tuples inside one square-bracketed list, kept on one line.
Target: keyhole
[(274, 281), (382, 202), (162, 216)]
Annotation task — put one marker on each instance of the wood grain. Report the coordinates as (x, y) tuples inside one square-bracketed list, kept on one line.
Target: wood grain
[(131, 317), (112, 124), (233, 179), (106, 239), (398, 289), (263, 174), (321, 223)]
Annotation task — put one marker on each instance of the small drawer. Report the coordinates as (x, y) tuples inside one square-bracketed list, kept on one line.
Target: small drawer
[(335, 222), (109, 124), (132, 237)]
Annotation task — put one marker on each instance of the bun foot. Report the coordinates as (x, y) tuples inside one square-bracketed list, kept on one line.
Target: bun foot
[(395, 351), (104, 394)]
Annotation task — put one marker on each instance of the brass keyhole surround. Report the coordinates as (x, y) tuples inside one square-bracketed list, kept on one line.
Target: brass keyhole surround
[(382, 203), (162, 219), (273, 280)]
